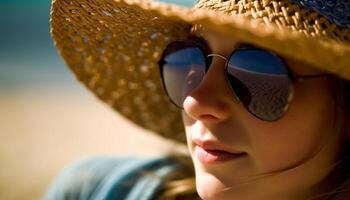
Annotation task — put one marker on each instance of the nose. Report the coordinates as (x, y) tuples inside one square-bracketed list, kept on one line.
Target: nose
[(210, 101)]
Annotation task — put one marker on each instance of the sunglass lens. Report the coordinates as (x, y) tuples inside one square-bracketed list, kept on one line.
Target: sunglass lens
[(261, 82), (183, 68)]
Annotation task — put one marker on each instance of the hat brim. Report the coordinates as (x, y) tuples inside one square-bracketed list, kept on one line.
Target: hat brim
[(113, 47)]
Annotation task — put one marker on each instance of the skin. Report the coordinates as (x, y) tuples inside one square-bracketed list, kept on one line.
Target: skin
[(298, 149)]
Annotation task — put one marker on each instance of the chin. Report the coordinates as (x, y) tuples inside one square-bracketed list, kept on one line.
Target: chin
[(210, 187)]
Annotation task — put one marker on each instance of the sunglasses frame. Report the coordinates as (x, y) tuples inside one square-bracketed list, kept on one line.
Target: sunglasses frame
[(203, 46)]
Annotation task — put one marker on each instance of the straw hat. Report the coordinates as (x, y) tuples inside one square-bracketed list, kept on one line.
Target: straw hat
[(113, 46)]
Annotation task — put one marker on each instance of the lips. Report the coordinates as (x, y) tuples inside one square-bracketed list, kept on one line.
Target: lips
[(216, 156), (212, 146)]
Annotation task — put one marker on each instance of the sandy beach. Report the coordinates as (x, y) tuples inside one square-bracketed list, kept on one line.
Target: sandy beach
[(43, 130), (48, 120)]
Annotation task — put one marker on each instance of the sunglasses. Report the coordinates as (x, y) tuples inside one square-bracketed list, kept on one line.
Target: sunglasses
[(259, 79)]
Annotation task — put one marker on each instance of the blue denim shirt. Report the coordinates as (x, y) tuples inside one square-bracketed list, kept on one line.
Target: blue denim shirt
[(107, 178)]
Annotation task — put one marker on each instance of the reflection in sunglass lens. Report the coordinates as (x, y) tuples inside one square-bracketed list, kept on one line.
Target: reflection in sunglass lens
[(260, 80), (182, 71)]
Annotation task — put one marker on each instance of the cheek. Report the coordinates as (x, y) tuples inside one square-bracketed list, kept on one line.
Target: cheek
[(298, 136), (190, 128)]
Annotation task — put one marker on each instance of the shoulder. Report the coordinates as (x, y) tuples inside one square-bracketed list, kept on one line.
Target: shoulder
[(111, 178)]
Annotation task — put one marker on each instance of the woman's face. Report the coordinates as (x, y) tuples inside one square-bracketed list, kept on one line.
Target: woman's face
[(297, 149)]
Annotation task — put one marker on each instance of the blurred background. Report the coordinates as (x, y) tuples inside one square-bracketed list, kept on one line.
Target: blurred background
[(47, 118)]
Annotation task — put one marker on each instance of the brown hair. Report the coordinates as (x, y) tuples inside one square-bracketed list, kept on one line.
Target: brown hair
[(180, 184), (340, 175)]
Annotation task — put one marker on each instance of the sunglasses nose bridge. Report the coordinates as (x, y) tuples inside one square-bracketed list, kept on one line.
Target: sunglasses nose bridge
[(209, 59), (217, 55), (226, 62)]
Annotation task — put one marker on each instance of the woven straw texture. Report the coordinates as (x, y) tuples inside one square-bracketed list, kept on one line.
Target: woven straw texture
[(113, 46)]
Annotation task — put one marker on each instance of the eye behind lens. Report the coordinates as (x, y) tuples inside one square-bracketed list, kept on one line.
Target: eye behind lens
[(261, 82), (182, 69)]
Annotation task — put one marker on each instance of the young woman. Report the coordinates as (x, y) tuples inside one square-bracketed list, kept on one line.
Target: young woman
[(261, 86)]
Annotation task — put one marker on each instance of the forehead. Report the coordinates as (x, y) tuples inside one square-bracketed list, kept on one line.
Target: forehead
[(218, 42)]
